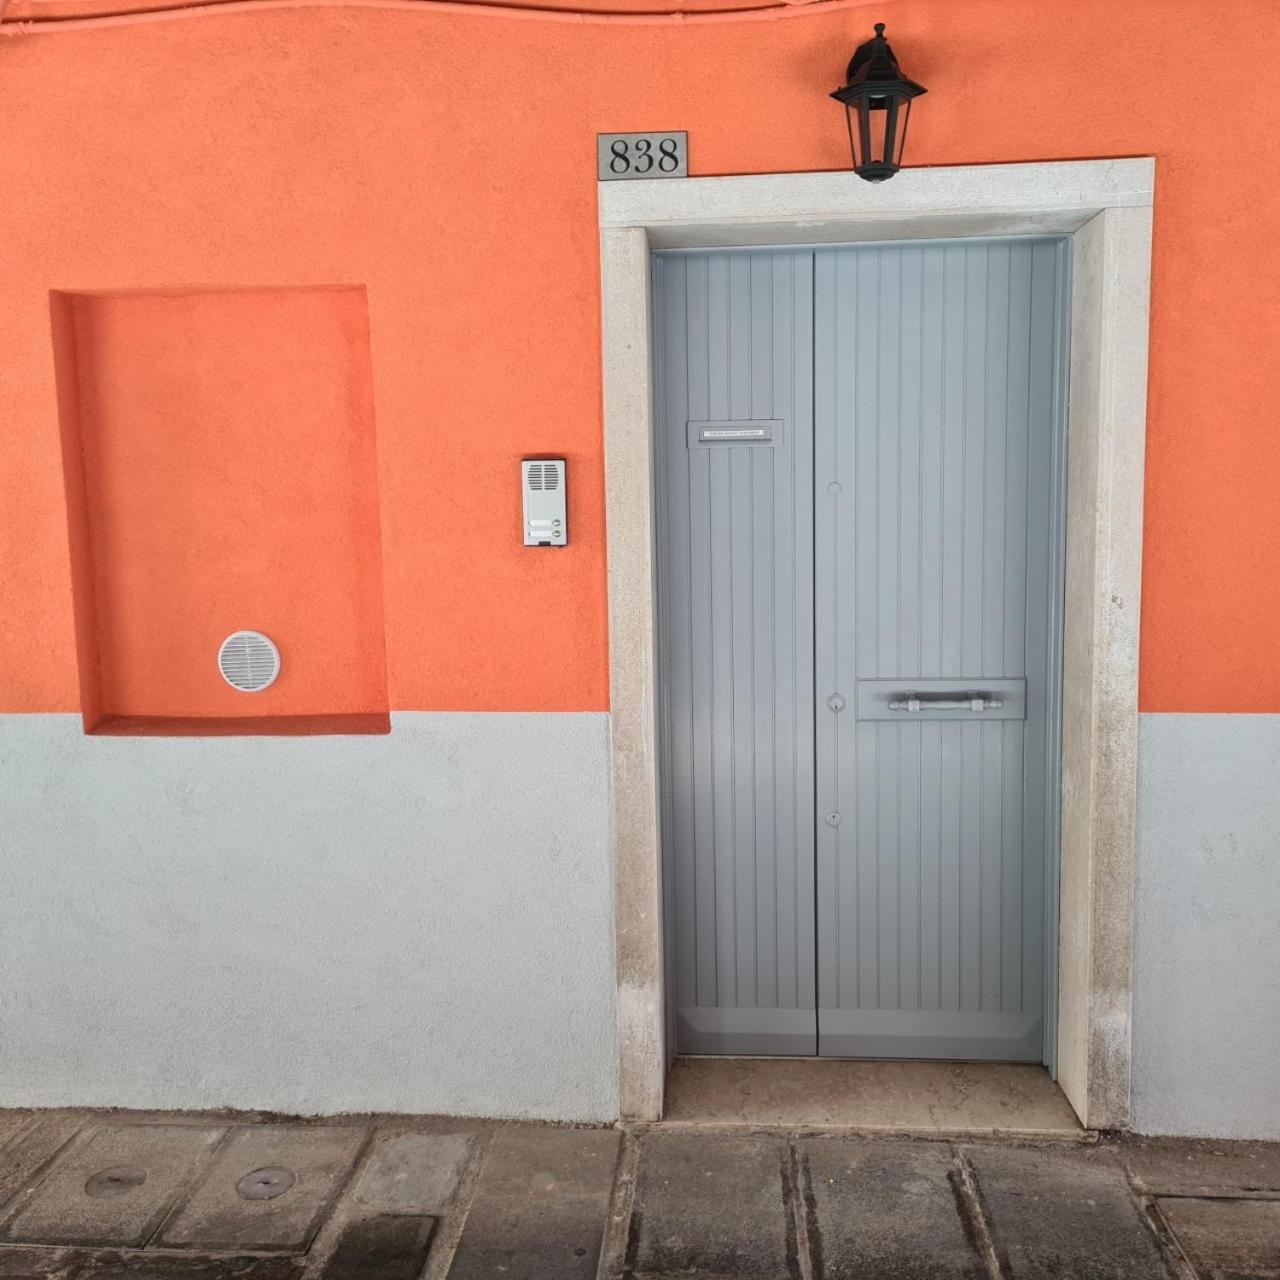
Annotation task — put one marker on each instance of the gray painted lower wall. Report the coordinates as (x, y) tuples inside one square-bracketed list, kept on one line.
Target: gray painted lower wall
[(1206, 1004), (420, 923), (424, 922)]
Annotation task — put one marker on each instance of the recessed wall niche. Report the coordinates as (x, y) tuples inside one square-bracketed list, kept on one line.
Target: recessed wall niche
[(221, 476)]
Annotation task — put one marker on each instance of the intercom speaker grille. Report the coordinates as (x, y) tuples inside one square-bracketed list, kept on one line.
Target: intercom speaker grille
[(249, 661), (544, 475)]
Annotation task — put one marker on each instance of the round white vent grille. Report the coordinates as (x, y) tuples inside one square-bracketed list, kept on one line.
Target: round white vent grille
[(249, 661)]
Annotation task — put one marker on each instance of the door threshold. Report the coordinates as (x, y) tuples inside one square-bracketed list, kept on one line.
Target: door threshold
[(929, 1099)]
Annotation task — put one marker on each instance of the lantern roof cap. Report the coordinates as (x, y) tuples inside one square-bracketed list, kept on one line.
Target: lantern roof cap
[(874, 69)]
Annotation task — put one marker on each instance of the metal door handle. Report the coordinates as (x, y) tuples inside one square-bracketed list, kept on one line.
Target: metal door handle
[(969, 702)]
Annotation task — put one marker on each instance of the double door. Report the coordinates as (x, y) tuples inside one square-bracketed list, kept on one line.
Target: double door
[(859, 493)]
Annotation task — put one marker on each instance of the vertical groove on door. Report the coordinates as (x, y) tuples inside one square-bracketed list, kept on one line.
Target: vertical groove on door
[(667, 732), (1018, 431), (766, 925), (698, 860), (932, 835), (671, 361), (1045, 286), (909, 802), (798, 622), (865, 843), (830, 334), (735, 617)]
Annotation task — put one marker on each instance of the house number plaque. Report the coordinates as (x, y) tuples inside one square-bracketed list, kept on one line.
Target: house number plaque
[(642, 155)]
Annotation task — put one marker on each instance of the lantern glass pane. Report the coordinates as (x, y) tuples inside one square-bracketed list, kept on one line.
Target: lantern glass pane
[(880, 117), (900, 132), (865, 133), (849, 114)]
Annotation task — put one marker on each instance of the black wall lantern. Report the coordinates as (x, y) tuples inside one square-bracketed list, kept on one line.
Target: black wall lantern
[(877, 101)]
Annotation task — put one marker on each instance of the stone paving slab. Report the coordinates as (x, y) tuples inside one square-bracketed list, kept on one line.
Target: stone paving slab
[(414, 1172), (534, 1238), (114, 1186), (1181, 1166), (714, 1206), (1063, 1212), (545, 1160), (30, 1147), (881, 1208), (310, 1163), (1227, 1239), (540, 1207), (387, 1246)]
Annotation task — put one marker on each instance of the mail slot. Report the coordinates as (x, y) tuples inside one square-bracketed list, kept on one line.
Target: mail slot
[(743, 431), (968, 698)]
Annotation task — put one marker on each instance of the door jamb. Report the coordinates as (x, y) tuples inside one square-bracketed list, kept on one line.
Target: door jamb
[(1105, 207)]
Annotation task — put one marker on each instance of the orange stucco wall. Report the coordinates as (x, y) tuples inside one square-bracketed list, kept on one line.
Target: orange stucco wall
[(445, 160)]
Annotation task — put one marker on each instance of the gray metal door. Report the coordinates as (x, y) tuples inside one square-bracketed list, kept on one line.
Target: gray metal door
[(859, 461), (734, 371)]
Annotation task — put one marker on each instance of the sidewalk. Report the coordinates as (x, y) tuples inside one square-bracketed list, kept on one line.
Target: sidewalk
[(88, 1196)]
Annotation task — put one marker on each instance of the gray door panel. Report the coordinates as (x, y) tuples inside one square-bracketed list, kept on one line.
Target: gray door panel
[(735, 483), (935, 413)]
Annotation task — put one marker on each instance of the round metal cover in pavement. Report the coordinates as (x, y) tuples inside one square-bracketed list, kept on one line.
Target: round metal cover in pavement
[(266, 1184), (116, 1181), (249, 661)]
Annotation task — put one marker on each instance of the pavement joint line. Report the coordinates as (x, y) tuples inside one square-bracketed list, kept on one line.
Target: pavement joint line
[(1208, 1193), (1170, 1246), (790, 1190), (803, 1210), (98, 1252), (1166, 1240), (187, 1189), (185, 1192), (622, 1197), (449, 1231), (331, 1223), (342, 1185), (973, 1213)]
